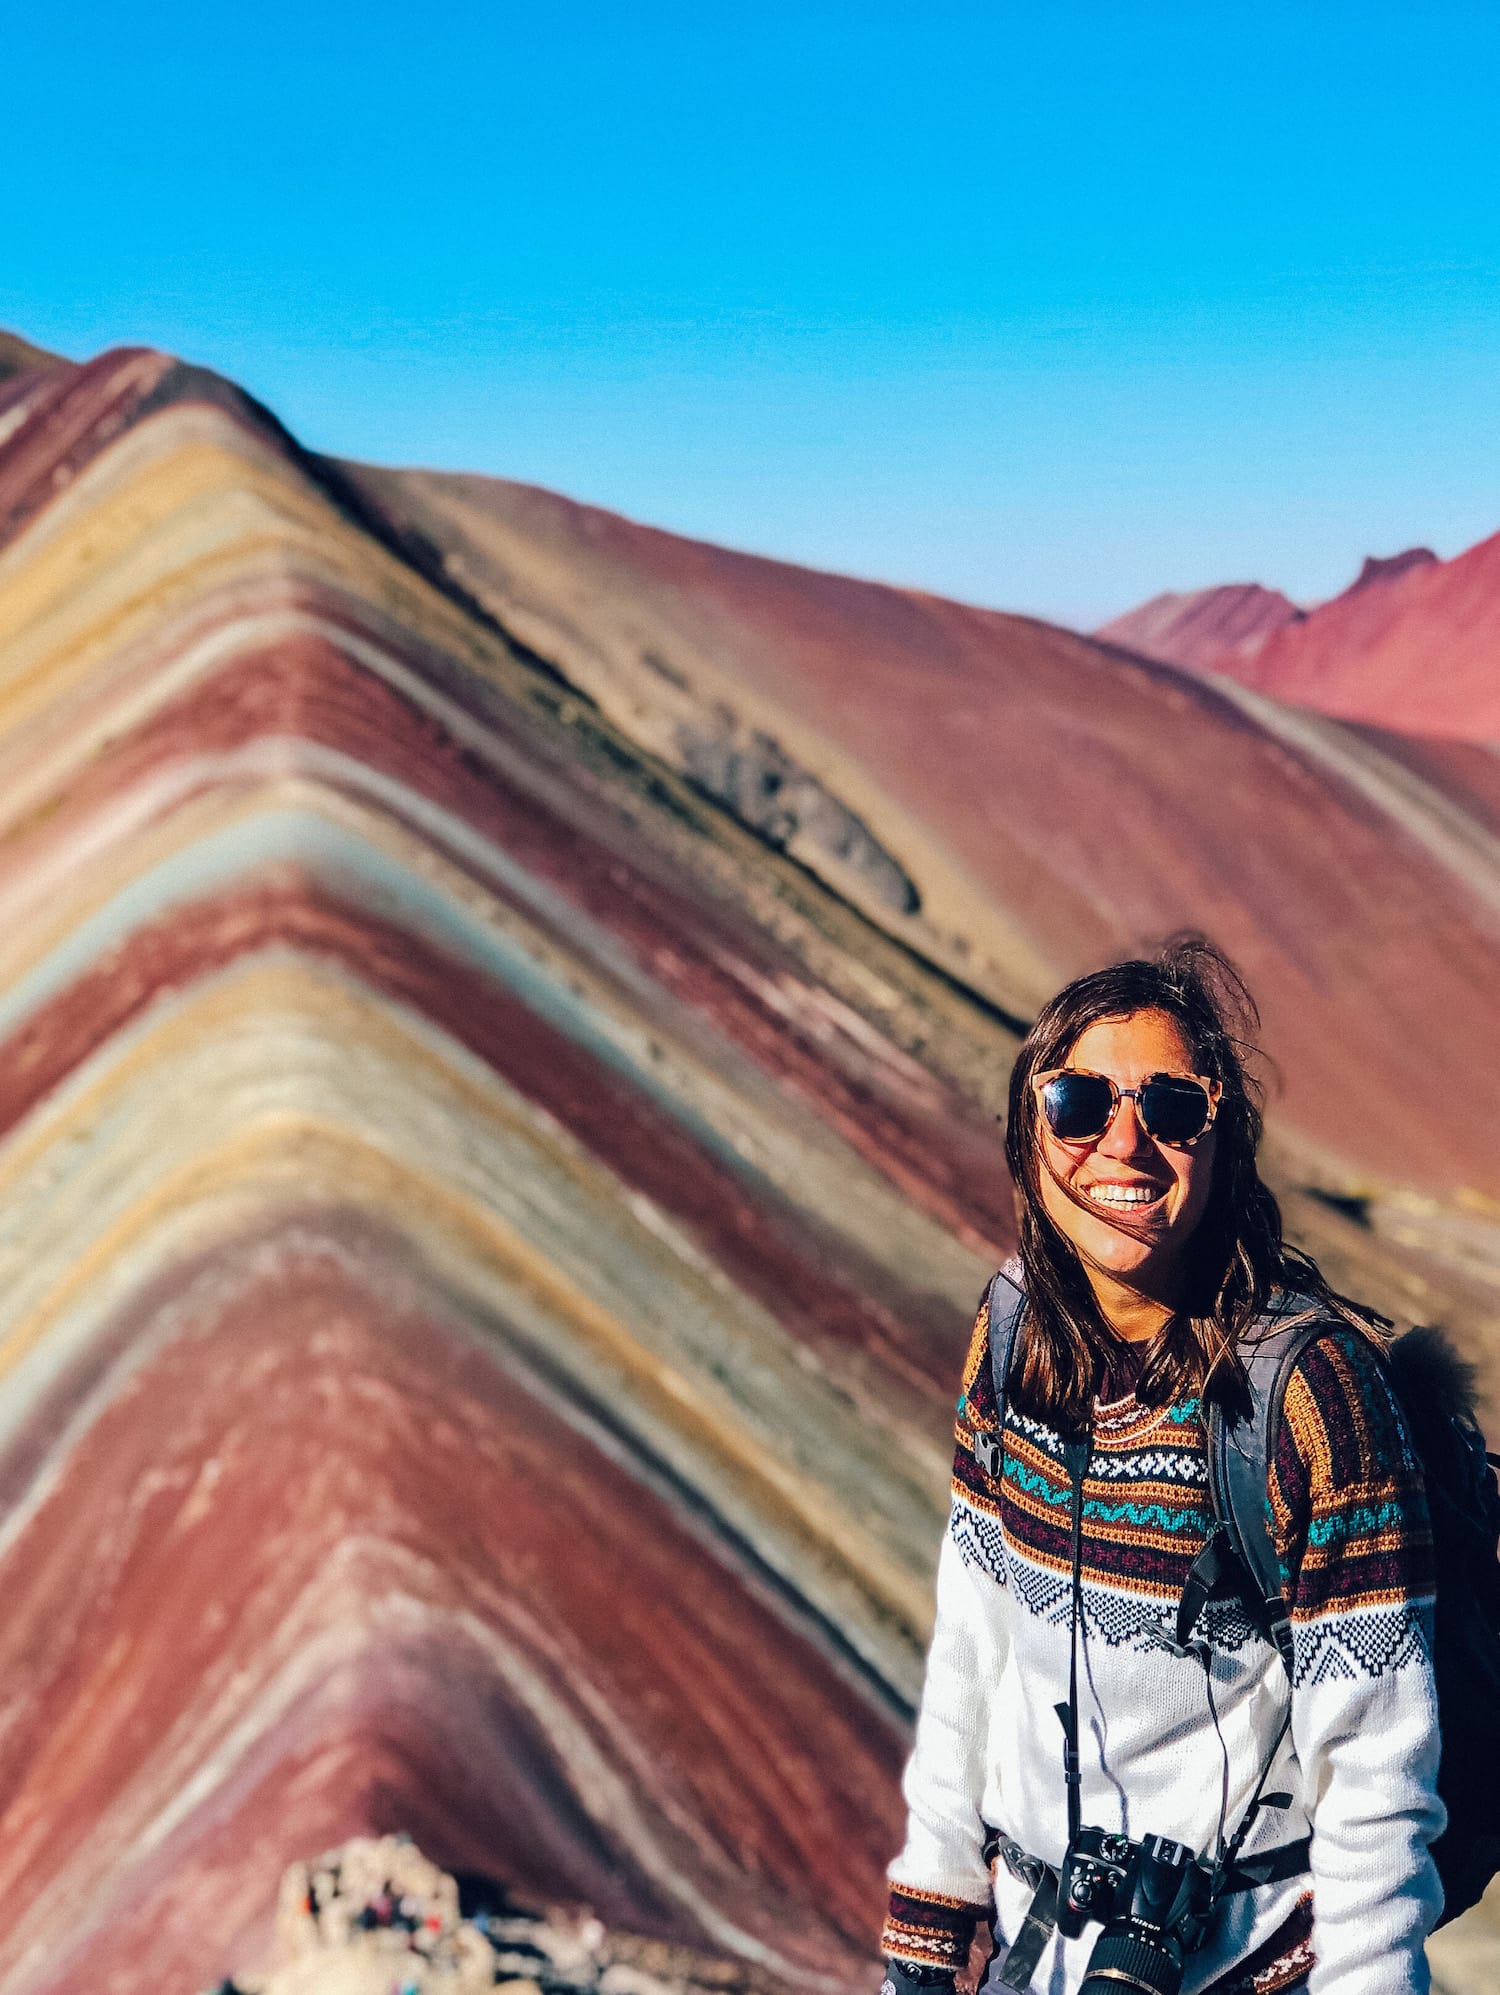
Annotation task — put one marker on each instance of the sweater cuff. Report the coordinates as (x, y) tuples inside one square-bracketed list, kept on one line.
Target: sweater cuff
[(925, 1929)]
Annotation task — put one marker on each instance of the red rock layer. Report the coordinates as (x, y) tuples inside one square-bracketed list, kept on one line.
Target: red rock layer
[(70, 420), (360, 1569), (844, 1309), (275, 751), (697, 948)]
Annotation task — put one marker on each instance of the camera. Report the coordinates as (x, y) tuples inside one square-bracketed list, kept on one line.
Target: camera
[(1095, 1879), (1153, 1899)]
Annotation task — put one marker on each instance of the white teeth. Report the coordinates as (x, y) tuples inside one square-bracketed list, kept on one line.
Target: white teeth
[(1123, 1194)]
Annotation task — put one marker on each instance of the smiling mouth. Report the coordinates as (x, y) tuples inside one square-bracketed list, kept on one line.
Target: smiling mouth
[(1125, 1197)]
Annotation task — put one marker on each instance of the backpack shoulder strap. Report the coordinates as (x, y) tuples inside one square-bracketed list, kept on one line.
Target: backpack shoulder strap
[(1007, 1305), (1240, 1454)]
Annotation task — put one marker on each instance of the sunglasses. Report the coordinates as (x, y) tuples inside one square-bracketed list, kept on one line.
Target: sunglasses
[(1079, 1107)]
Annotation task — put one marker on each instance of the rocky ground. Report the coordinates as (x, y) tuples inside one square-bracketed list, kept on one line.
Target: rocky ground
[(376, 1917), (1463, 1956)]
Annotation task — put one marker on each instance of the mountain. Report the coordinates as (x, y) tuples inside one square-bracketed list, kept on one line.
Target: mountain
[(1415, 648), (1201, 627), (1380, 568), (1412, 645), (504, 1012), (1050, 801), (19, 356)]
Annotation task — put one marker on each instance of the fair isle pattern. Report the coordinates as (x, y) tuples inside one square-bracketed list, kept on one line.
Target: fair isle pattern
[(1350, 1525), (1121, 1619), (1357, 1558), (1285, 1976), (1349, 1519), (927, 1929), (1280, 1965), (980, 1540), (1371, 1644), (1113, 1616), (1146, 1513)]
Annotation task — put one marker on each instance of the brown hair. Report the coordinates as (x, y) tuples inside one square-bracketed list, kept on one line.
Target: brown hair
[(1236, 1256)]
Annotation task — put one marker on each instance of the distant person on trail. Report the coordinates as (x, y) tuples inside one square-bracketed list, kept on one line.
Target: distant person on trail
[(1143, 1770)]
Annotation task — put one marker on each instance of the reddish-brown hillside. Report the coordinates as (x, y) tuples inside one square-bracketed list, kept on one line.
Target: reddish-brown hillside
[(1412, 645), (1417, 650), (1380, 568), (1051, 800), (1199, 627)]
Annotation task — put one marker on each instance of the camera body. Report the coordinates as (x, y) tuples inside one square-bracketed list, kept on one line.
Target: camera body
[(1095, 1881), (1154, 1900)]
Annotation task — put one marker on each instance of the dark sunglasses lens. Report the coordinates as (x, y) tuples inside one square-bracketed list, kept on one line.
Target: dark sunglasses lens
[(1078, 1106), (1174, 1110)]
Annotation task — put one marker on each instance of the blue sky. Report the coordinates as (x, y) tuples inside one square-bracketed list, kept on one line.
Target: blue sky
[(1048, 306)]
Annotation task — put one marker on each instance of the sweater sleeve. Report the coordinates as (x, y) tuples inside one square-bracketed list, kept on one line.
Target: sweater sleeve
[(1349, 1519), (940, 1881)]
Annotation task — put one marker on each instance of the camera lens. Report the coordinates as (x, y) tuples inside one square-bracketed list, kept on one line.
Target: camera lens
[(1124, 1959)]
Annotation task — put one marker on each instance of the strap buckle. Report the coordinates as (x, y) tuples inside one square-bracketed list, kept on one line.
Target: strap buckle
[(1024, 1868)]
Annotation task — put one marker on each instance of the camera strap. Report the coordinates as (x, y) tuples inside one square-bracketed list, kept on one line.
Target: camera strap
[(1025, 1951), (1076, 1461), (1037, 1927), (1228, 1874), (1227, 1862)]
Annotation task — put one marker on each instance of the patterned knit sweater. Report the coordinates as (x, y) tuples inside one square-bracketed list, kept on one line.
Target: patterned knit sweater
[(1170, 1748)]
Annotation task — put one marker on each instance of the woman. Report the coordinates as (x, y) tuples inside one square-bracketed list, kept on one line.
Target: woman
[(1148, 1249)]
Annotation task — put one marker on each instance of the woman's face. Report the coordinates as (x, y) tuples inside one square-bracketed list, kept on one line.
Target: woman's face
[(1135, 1202)]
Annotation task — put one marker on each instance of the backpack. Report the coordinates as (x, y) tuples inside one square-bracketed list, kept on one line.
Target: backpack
[(1435, 1389)]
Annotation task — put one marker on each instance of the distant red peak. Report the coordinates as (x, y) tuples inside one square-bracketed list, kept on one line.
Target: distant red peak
[(1386, 567), (1199, 628), (1411, 646)]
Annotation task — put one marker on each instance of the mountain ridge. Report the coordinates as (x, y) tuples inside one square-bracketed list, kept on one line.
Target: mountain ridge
[(20, 356), (1412, 644), (497, 1167)]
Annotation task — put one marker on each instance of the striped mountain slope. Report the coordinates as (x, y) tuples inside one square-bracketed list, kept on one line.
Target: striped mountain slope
[(491, 1202)]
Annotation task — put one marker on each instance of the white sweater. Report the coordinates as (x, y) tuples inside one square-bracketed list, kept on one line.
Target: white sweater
[(1350, 1526)]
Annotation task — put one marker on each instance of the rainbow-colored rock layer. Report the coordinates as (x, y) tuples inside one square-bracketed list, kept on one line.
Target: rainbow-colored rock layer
[(491, 1201)]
